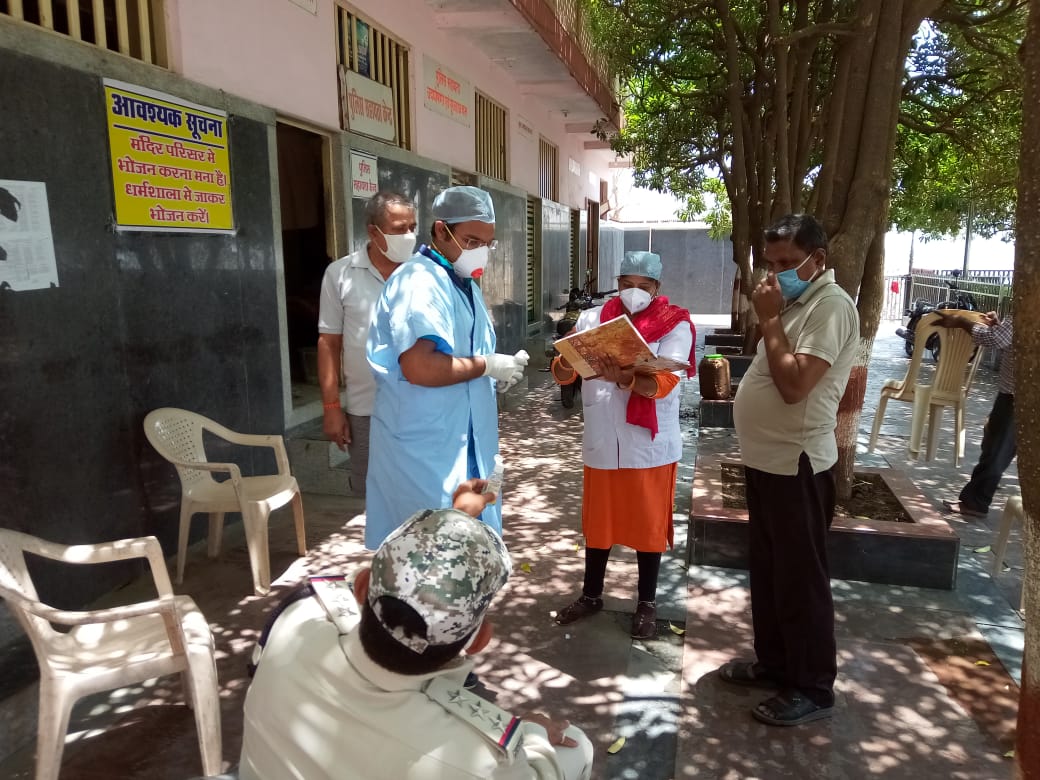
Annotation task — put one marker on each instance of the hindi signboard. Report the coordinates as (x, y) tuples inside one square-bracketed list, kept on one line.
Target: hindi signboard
[(445, 93), (367, 106), (364, 175), (171, 169)]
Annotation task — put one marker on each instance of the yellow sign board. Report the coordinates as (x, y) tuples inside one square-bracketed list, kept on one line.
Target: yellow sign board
[(170, 163)]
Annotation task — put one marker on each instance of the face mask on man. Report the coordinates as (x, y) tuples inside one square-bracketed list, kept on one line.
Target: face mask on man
[(399, 246), (636, 299), (470, 263), (791, 284)]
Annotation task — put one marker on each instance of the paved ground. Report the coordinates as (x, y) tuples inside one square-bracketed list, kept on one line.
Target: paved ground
[(926, 685)]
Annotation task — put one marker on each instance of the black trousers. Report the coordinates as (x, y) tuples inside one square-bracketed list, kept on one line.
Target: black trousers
[(998, 450), (596, 570), (791, 606)]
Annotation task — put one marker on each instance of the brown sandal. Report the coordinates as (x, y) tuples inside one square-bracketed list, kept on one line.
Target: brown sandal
[(644, 622), (582, 608)]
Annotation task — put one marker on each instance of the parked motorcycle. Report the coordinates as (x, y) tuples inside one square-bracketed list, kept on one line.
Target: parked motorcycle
[(578, 300), (959, 299)]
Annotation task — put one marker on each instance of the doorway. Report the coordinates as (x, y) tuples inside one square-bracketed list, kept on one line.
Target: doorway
[(592, 246), (302, 176)]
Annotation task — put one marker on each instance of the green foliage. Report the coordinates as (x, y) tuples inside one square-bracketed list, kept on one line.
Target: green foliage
[(710, 205), (961, 121), (671, 92), (960, 113)]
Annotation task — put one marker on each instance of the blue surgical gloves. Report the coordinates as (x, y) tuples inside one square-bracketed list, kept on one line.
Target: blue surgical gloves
[(506, 370)]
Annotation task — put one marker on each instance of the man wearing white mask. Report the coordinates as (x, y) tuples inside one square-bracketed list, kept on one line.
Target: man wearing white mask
[(432, 351), (349, 292)]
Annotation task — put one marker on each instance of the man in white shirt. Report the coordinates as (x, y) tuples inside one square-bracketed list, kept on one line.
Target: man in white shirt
[(336, 697), (349, 292)]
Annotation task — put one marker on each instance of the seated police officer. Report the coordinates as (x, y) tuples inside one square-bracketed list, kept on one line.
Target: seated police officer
[(382, 696)]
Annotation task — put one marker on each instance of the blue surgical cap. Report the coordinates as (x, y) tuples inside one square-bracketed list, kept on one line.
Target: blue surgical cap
[(645, 264), (464, 204)]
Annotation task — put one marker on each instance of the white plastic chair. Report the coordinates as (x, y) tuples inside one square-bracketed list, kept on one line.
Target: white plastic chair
[(176, 434), (1012, 511), (109, 648), (903, 389), (954, 373)]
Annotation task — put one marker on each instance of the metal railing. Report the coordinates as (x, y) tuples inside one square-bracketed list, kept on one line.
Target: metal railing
[(990, 291)]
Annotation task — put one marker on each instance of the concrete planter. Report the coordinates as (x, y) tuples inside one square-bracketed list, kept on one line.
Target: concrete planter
[(922, 553), (724, 339)]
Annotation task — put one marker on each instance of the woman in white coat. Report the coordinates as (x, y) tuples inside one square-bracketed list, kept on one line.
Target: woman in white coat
[(632, 442)]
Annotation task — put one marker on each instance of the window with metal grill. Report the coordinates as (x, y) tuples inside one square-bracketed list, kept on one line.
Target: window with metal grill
[(133, 28), (368, 51), (491, 138), (534, 261), (548, 170)]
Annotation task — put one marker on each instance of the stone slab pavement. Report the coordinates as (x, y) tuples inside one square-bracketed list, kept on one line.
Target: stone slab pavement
[(913, 701)]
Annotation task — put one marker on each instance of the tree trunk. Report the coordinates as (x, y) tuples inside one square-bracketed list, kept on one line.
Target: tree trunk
[(856, 189), (1027, 390), (871, 296)]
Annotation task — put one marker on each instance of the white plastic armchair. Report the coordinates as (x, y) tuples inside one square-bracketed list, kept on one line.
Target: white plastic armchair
[(903, 389), (109, 648), (954, 374), (176, 434)]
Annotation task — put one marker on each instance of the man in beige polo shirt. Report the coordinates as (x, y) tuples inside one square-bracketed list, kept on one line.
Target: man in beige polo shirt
[(785, 414)]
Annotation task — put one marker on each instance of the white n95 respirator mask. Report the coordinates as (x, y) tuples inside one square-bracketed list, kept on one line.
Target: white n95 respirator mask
[(472, 262), (635, 299)]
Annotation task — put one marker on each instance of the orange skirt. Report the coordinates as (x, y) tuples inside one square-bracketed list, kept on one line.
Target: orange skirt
[(632, 507)]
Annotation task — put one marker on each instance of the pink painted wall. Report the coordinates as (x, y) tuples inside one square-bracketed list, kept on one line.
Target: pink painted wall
[(440, 138), (280, 55), (272, 52)]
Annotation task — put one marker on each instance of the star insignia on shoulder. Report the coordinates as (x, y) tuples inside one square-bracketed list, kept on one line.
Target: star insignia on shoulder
[(454, 696), (498, 722), (476, 709)]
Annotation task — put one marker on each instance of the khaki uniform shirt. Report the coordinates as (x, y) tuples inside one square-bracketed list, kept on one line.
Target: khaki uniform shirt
[(773, 434)]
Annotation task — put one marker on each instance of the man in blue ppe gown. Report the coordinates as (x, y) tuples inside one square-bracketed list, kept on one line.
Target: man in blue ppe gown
[(432, 351)]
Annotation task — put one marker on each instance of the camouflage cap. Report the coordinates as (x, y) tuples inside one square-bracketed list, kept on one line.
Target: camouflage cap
[(445, 565)]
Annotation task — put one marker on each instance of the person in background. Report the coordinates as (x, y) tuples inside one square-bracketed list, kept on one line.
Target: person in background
[(431, 348), (998, 437), (349, 292), (785, 413), (380, 694), (632, 442)]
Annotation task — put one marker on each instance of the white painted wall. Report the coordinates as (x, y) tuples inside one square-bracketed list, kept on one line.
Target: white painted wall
[(278, 54)]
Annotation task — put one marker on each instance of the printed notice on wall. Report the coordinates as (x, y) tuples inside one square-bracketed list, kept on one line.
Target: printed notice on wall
[(364, 175), (170, 162), (446, 93), (26, 245), (367, 106)]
